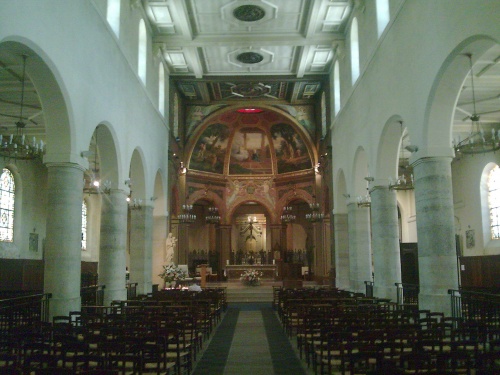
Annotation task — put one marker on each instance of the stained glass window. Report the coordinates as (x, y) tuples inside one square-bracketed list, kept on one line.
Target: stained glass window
[(7, 197), (494, 201), (84, 225)]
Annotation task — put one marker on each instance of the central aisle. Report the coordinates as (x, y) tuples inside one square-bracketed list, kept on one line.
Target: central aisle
[(249, 341)]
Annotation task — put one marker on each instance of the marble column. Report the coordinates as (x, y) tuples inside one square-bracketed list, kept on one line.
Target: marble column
[(385, 242), (437, 258), (341, 237), (112, 256), (63, 243), (141, 248), (360, 258)]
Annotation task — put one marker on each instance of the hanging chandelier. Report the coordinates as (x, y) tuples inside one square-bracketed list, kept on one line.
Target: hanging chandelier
[(288, 216), (405, 175), (187, 216), (478, 141), (16, 146), (366, 200), (92, 183), (314, 216), (213, 216)]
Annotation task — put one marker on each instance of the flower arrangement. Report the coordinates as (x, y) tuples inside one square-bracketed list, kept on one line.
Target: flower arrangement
[(172, 273), (251, 277)]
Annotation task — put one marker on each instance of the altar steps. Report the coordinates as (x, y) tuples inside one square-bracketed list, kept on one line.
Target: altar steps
[(236, 292)]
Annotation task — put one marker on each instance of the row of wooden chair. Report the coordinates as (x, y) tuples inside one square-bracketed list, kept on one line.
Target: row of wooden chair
[(351, 334)]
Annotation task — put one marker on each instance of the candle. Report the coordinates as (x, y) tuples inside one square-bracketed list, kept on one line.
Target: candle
[(227, 262), (274, 261), (22, 139), (11, 136)]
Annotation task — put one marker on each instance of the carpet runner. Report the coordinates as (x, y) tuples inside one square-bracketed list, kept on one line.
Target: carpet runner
[(249, 340)]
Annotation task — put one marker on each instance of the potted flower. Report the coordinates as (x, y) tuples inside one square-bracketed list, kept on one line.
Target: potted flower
[(171, 274), (251, 277)]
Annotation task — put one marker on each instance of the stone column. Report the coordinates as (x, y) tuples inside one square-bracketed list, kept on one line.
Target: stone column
[(141, 248), (160, 233), (328, 260), (182, 243), (225, 247), (437, 259), (341, 251), (360, 258), (112, 256), (385, 242), (63, 243), (276, 238)]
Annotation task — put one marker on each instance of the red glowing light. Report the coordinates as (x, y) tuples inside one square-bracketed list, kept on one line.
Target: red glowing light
[(249, 110)]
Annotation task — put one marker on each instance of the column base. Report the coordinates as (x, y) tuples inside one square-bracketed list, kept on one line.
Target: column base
[(63, 306)]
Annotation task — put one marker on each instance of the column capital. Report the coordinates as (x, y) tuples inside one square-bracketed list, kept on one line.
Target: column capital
[(65, 165), (429, 159)]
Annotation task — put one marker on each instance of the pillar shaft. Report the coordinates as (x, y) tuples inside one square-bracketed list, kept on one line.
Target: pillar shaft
[(385, 242), (62, 257), (112, 256), (160, 233), (360, 260), (437, 257), (141, 248), (225, 246), (341, 251)]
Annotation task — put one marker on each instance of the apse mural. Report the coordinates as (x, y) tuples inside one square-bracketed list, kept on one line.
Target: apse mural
[(291, 152), (196, 114), (303, 114), (208, 154), (250, 152)]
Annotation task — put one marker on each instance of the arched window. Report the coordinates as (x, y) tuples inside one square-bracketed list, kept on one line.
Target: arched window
[(383, 15), (336, 87), (7, 198), (494, 201), (354, 41), (161, 89), (113, 16), (84, 225), (142, 51)]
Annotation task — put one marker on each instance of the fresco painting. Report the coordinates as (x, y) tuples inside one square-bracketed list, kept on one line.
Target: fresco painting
[(208, 154), (250, 152), (291, 152)]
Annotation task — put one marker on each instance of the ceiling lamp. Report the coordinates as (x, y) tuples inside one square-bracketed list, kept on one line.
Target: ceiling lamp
[(213, 216), (288, 216), (315, 215), (405, 178), (478, 141), (187, 216), (16, 146)]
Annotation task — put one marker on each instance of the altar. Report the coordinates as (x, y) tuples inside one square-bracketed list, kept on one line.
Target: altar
[(233, 272)]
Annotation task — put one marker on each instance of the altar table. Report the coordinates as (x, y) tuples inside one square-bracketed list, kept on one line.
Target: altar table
[(233, 272)]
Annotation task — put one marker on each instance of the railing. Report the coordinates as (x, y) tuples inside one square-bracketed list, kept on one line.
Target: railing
[(369, 288), (131, 290), (92, 295), (477, 306), (24, 311), (407, 295)]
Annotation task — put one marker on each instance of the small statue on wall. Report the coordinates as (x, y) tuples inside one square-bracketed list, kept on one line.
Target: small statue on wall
[(169, 248)]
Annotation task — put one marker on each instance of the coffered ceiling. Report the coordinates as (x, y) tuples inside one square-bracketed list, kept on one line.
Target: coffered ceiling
[(234, 49)]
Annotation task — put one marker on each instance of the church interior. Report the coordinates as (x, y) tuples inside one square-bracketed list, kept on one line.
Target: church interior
[(313, 150)]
